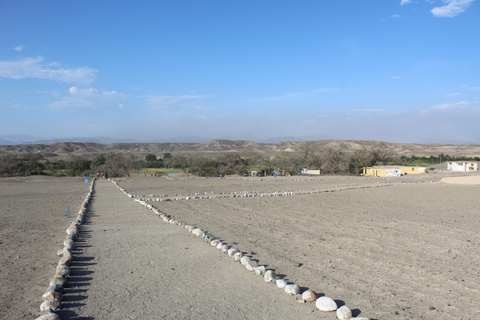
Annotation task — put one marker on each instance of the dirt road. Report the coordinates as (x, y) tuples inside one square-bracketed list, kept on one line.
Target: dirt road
[(131, 265)]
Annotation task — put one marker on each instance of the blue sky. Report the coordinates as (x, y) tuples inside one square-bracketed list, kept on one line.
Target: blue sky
[(390, 70)]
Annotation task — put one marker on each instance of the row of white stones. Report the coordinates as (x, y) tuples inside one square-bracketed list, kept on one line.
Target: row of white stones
[(270, 178), (283, 178), (53, 295), (323, 303), (252, 194)]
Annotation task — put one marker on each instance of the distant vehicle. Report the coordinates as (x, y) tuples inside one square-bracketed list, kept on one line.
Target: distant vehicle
[(245, 174), (259, 174)]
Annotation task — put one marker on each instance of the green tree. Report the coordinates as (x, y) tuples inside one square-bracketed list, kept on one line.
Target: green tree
[(98, 161), (150, 157)]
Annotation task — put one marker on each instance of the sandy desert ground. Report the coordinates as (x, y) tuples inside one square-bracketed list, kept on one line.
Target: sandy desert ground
[(389, 248), (33, 219)]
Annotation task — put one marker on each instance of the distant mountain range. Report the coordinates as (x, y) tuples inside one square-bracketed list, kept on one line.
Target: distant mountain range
[(26, 140), (244, 148), (13, 140)]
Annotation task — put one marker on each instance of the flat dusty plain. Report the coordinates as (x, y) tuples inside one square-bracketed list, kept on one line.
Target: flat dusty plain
[(388, 248), (33, 220)]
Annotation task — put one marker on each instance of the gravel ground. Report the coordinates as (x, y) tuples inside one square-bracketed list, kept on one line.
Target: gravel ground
[(402, 248)]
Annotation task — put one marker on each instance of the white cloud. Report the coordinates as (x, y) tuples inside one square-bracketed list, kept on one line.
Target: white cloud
[(89, 98), (19, 48), (452, 8), (296, 95), (37, 68), (403, 2), (175, 103), (396, 77), (371, 110), (50, 93), (452, 95), (461, 105)]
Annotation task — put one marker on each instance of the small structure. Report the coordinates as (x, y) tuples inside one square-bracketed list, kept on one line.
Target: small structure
[(311, 172), (462, 166), (392, 171)]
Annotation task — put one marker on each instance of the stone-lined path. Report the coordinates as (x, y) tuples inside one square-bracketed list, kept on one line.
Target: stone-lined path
[(131, 265)]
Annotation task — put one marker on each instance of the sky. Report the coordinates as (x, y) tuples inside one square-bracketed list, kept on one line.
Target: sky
[(400, 71)]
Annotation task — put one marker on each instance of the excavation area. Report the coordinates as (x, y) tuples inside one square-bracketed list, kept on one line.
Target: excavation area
[(402, 248)]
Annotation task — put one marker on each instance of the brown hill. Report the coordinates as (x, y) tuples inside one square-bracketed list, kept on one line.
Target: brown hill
[(242, 147)]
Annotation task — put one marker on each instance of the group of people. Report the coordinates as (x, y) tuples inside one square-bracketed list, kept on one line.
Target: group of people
[(104, 175)]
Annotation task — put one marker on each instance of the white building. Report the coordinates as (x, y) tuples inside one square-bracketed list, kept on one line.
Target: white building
[(311, 172), (462, 166)]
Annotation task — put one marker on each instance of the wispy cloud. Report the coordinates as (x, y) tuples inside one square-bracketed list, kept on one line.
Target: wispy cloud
[(38, 68), (89, 99), (403, 2), (452, 94), (396, 77), (19, 48), (371, 110), (296, 95), (452, 9), (461, 105), (50, 93), (176, 103)]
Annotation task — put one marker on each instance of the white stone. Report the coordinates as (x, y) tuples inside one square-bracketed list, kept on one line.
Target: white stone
[(326, 304), (63, 270), (198, 232), (249, 265), (72, 231), (52, 295), (237, 256), (60, 281), (232, 251), (344, 313), (292, 289), (244, 260), (214, 243), (259, 271), (270, 276), (281, 283), (69, 244), (53, 305), (309, 295)]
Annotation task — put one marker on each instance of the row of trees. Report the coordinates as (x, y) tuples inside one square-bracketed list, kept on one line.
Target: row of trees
[(329, 161), (116, 164), (332, 160)]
